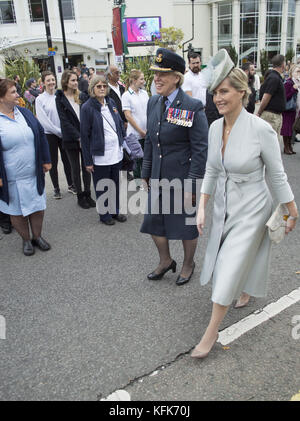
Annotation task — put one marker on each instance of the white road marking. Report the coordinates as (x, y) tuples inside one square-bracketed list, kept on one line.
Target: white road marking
[(118, 395), (260, 316)]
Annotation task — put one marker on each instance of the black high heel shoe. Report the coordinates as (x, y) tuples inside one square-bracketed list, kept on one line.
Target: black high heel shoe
[(181, 280), (156, 276)]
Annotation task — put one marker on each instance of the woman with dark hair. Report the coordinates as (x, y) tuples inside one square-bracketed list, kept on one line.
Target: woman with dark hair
[(102, 134), (24, 159), (288, 116), (67, 102), (47, 115)]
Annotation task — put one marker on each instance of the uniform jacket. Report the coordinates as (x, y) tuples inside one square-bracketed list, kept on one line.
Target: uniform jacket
[(112, 94), (172, 151), (92, 131), (42, 155), (70, 125)]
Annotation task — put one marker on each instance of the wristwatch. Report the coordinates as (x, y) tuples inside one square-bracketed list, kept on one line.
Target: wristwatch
[(293, 218)]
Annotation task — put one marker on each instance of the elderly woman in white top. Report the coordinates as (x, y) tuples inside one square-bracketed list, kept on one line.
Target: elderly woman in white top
[(241, 148), (47, 115), (102, 134), (134, 105)]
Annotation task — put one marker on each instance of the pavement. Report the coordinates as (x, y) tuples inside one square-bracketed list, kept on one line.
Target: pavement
[(82, 320)]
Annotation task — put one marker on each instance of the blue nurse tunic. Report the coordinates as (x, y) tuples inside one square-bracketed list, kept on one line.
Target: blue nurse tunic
[(19, 161)]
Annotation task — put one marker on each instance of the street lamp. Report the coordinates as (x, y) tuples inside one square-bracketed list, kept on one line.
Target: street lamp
[(193, 29), (66, 61), (48, 35)]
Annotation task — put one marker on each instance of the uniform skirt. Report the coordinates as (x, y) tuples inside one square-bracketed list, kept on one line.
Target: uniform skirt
[(166, 215)]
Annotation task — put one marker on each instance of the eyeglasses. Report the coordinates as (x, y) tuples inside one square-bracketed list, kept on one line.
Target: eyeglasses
[(101, 86)]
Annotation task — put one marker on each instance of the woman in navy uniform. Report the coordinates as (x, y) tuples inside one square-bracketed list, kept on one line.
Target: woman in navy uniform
[(175, 152)]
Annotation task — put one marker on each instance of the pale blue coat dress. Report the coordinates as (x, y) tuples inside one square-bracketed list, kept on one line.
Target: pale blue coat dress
[(19, 160), (238, 251)]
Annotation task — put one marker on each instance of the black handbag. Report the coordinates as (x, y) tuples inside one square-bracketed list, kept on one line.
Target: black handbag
[(291, 104)]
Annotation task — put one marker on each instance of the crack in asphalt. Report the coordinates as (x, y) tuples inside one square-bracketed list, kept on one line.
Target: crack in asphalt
[(146, 375)]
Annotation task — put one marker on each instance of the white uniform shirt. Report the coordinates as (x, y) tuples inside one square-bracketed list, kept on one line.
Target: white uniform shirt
[(195, 83), (113, 153), (137, 104)]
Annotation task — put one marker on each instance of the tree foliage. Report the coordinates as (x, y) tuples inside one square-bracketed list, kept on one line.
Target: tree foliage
[(140, 63), (289, 55), (19, 65), (171, 38), (233, 54), (264, 62)]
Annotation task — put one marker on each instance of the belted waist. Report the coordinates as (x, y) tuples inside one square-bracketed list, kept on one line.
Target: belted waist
[(237, 179)]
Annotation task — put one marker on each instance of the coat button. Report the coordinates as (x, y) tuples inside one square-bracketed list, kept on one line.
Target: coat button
[(157, 134), (160, 156), (158, 145)]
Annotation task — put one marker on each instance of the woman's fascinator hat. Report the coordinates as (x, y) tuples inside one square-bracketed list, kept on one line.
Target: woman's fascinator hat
[(218, 68)]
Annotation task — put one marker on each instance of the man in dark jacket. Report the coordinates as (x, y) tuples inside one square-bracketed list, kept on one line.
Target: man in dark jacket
[(249, 69), (211, 110), (32, 87), (112, 74)]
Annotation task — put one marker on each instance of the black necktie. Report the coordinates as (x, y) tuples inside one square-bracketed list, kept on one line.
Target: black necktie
[(163, 104)]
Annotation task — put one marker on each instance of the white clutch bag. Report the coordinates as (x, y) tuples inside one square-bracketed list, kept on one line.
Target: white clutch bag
[(277, 223)]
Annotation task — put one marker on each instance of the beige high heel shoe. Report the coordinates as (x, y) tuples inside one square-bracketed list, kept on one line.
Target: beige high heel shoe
[(199, 354), (243, 301)]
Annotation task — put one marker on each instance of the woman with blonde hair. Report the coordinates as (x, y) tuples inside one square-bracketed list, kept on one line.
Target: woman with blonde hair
[(102, 134), (68, 108), (241, 149), (134, 106)]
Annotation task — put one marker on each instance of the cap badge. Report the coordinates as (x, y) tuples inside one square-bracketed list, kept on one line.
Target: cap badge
[(159, 58)]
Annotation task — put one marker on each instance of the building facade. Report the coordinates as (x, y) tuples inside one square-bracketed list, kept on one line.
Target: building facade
[(248, 25)]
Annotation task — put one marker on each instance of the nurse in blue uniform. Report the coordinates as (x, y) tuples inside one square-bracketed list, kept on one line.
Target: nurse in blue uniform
[(175, 152), (24, 159)]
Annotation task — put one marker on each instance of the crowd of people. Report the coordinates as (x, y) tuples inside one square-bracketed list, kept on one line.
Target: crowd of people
[(195, 127)]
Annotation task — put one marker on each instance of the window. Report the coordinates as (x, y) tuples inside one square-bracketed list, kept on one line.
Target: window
[(7, 12), (249, 19), (68, 9), (224, 24), (36, 10), (273, 30), (291, 24), (37, 14)]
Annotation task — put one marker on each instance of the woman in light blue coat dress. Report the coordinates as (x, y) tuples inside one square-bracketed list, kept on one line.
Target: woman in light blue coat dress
[(242, 148), (24, 158)]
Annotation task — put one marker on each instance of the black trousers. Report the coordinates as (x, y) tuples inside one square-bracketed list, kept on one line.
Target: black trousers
[(112, 205), (75, 159), (55, 143)]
